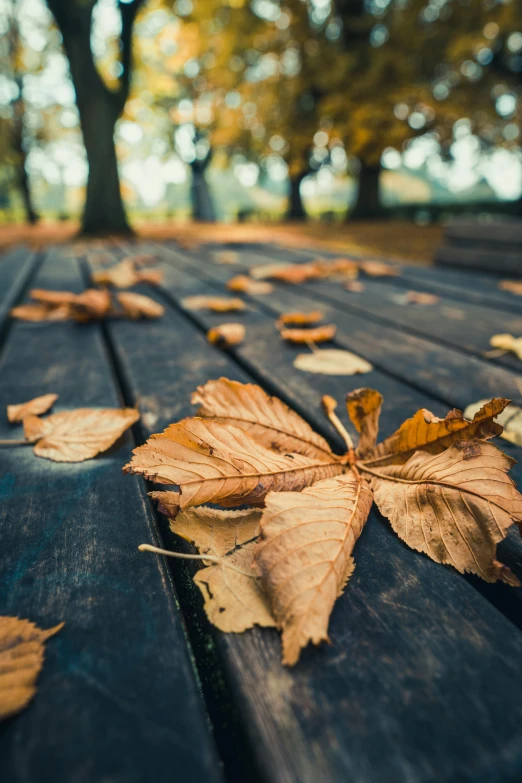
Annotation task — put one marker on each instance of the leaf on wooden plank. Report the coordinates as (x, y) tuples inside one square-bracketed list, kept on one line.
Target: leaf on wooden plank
[(305, 555), (298, 318), (338, 267), (454, 506), (247, 285), (217, 304), (220, 463), (513, 286), (510, 419), (287, 273), (264, 271), (318, 334), (78, 435), (355, 286), (422, 298), (364, 410), (332, 361), (226, 335), (508, 343), (22, 650), (35, 407), (432, 434), (150, 276), (38, 313), (266, 419), (168, 502), (121, 275), (378, 269), (137, 306), (226, 257)]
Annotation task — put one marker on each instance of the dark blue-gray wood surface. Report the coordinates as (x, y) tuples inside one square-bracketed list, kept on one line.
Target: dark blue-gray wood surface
[(118, 699)]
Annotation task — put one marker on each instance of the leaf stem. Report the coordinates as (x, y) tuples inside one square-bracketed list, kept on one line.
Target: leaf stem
[(14, 442), (211, 558), (329, 405)]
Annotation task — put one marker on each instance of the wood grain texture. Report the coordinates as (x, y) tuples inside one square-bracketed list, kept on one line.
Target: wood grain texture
[(400, 694), (117, 699)]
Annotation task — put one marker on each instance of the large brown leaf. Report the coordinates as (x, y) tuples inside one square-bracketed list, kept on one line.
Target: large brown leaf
[(267, 419), (429, 433), (78, 435), (220, 463), (305, 555), (364, 410), (22, 649), (34, 407), (455, 506)]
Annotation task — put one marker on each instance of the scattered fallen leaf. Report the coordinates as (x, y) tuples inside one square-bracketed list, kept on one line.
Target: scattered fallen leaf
[(22, 650), (137, 306), (378, 269), (234, 597), (121, 275), (443, 486), (226, 335), (355, 286), (218, 304), (207, 460), (422, 298), (510, 419), (319, 334), (305, 555), (286, 273), (508, 343), (300, 319), (337, 267), (78, 435), (332, 361), (513, 286), (267, 419), (34, 407), (226, 257), (246, 285)]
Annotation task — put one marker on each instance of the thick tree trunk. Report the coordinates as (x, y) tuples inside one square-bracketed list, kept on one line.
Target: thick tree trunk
[(99, 109), (368, 205), (295, 209), (202, 204)]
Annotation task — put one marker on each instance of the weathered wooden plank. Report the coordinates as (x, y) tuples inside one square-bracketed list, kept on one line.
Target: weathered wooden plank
[(498, 233), (400, 694), (16, 267), (117, 699)]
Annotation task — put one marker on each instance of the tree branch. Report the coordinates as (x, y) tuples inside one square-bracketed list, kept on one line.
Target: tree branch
[(128, 13)]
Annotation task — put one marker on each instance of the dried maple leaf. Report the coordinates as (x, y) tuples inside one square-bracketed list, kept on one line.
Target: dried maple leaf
[(78, 435), (355, 286), (300, 319), (234, 597), (226, 335), (137, 306), (35, 407), (455, 506), (220, 463), (364, 410), (513, 286), (266, 419), (22, 649), (432, 434), (422, 298), (332, 361), (510, 419), (319, 334), (305, 552), (246, 285), (121, 275), (378, 269), (217, 304), (507, 343)]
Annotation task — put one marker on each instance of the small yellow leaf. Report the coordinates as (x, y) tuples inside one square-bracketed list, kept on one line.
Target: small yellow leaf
[(300, 319), (226, 335), (332, 361), (318, 334), (137, 306), (217, 304), (513, 286), (508, 343), (246, 285)]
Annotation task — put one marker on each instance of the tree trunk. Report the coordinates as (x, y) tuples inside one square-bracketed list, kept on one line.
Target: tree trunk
[(99, 109), (368, 205), (295, 209), (202, 204)]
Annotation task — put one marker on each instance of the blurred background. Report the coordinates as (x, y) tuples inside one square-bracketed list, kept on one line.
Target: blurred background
[(119, 114)]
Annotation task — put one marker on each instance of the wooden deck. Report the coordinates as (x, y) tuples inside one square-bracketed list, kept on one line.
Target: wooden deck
[(423, 680)]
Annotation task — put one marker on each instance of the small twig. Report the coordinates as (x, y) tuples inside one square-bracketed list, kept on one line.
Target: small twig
[(329, 405), (211, 558), (14, 442)]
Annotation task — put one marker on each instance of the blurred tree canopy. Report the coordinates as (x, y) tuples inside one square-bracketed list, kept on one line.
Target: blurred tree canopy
[(270, 90)]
